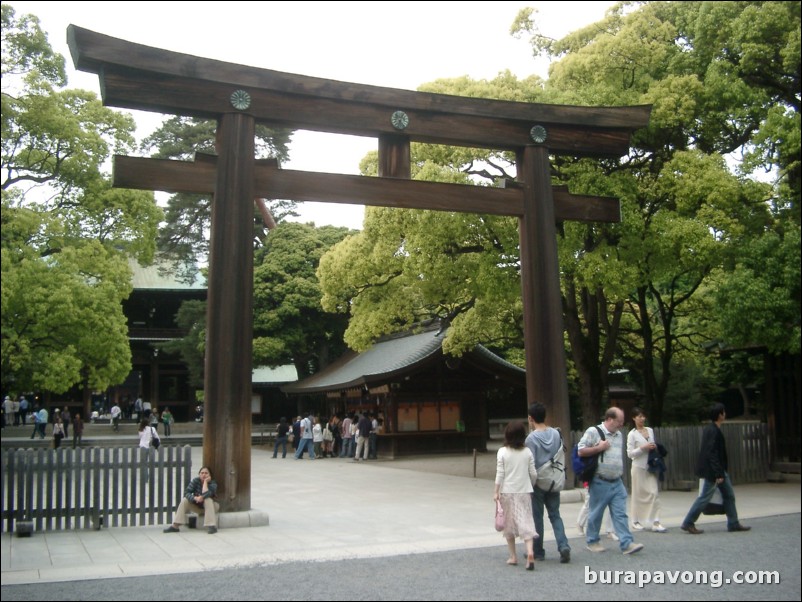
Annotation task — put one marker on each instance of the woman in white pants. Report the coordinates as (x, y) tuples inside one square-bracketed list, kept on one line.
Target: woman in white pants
[(645, 501)]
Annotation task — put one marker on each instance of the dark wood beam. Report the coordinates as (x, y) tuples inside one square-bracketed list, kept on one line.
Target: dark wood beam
[(134, 90), (140, 77), (274, 183)]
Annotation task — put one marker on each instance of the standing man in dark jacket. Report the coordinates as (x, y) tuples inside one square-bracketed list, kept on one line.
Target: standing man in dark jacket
[(364, 427), (712, 467)]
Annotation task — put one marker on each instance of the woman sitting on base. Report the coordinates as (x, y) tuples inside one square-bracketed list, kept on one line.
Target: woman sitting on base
[(199, 498)]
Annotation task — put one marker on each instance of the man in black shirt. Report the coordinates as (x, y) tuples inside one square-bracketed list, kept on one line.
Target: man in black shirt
[(712, 467)]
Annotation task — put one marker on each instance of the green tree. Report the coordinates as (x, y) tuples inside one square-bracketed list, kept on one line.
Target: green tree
[(408, 266), (685, 214), (290, 325), (184, 236), (66, 234), (636, 294)]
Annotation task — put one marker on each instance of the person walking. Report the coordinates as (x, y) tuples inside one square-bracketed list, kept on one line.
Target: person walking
[(363, 427), (334, 425), (307, 442), (317, 438), (606, 489), (167, 420), (23, 406), (711, 466), (58, 430), (645, 501), (373, 439), (146, 434), (328, 438), (115, 412), (66, 421), (9, 414), (347, 437), (281, 437), (40, 420), (77, 430), (515, 477), (546, 445)]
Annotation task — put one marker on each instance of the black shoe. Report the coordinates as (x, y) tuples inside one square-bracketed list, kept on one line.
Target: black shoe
[(171, 529), (691, 529), (211, 530), (738, 527), (565, 556)]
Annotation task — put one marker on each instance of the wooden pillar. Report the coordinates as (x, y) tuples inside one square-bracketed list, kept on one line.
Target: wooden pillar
[(229, 321), (394, 159), (546, 378), (153, 389)]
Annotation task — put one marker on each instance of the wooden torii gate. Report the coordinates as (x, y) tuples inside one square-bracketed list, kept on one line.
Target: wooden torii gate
[(140, 77)]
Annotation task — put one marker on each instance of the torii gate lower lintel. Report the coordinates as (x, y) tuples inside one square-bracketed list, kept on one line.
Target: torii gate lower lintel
[(145, 78)]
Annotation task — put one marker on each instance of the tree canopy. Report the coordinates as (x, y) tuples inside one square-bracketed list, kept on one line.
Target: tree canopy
[(184, 234), (66, 234), (289, 324), (723, 79)]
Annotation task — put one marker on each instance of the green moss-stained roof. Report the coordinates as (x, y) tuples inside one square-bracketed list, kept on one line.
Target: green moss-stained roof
[(152, 278), (266, 375), (389, 359)]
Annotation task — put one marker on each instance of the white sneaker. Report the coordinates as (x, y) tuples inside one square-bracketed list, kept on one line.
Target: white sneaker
[(632, 548), (611, 535), (637, 526), (658, 528), (597, 547)]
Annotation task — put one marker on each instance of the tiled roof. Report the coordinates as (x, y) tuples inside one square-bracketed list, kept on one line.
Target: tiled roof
[(152, 278), (265, 375), (388, 359)]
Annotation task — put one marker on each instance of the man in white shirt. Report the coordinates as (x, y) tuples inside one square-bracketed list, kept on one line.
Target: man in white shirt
[(115, 416), (307, 441), (607, 489)]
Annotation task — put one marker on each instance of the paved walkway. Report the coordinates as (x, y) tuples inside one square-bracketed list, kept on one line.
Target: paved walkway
[(333, 509)]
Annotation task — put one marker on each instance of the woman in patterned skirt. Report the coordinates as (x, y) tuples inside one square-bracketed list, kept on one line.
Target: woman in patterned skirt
[(515, 476)]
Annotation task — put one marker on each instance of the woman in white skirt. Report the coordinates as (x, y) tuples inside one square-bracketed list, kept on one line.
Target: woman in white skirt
[(645, 504), (515, 476)]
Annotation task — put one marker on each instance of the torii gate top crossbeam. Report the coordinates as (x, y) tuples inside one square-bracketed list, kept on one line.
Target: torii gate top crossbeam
[(141, 77)]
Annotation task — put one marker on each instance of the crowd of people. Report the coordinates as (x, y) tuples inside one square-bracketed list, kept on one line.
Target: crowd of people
[(530, 469), (528, 480), (353, 436), (20, 412)]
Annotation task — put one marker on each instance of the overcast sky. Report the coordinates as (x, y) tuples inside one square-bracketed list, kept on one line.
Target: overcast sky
[(391, 44)]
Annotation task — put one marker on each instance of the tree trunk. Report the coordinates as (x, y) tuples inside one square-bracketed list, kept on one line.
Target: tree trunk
[(593, 336)]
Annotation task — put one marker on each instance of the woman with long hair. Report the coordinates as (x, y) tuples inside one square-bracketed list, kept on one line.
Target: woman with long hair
[(515, 477), (146, 433), (645, 503)]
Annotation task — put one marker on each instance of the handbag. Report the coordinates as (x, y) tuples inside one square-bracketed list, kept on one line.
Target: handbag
[(716, 503), (154, 441), (499, 516)]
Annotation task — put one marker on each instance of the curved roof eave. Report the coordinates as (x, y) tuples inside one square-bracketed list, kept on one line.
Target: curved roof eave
[(385, 360)]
